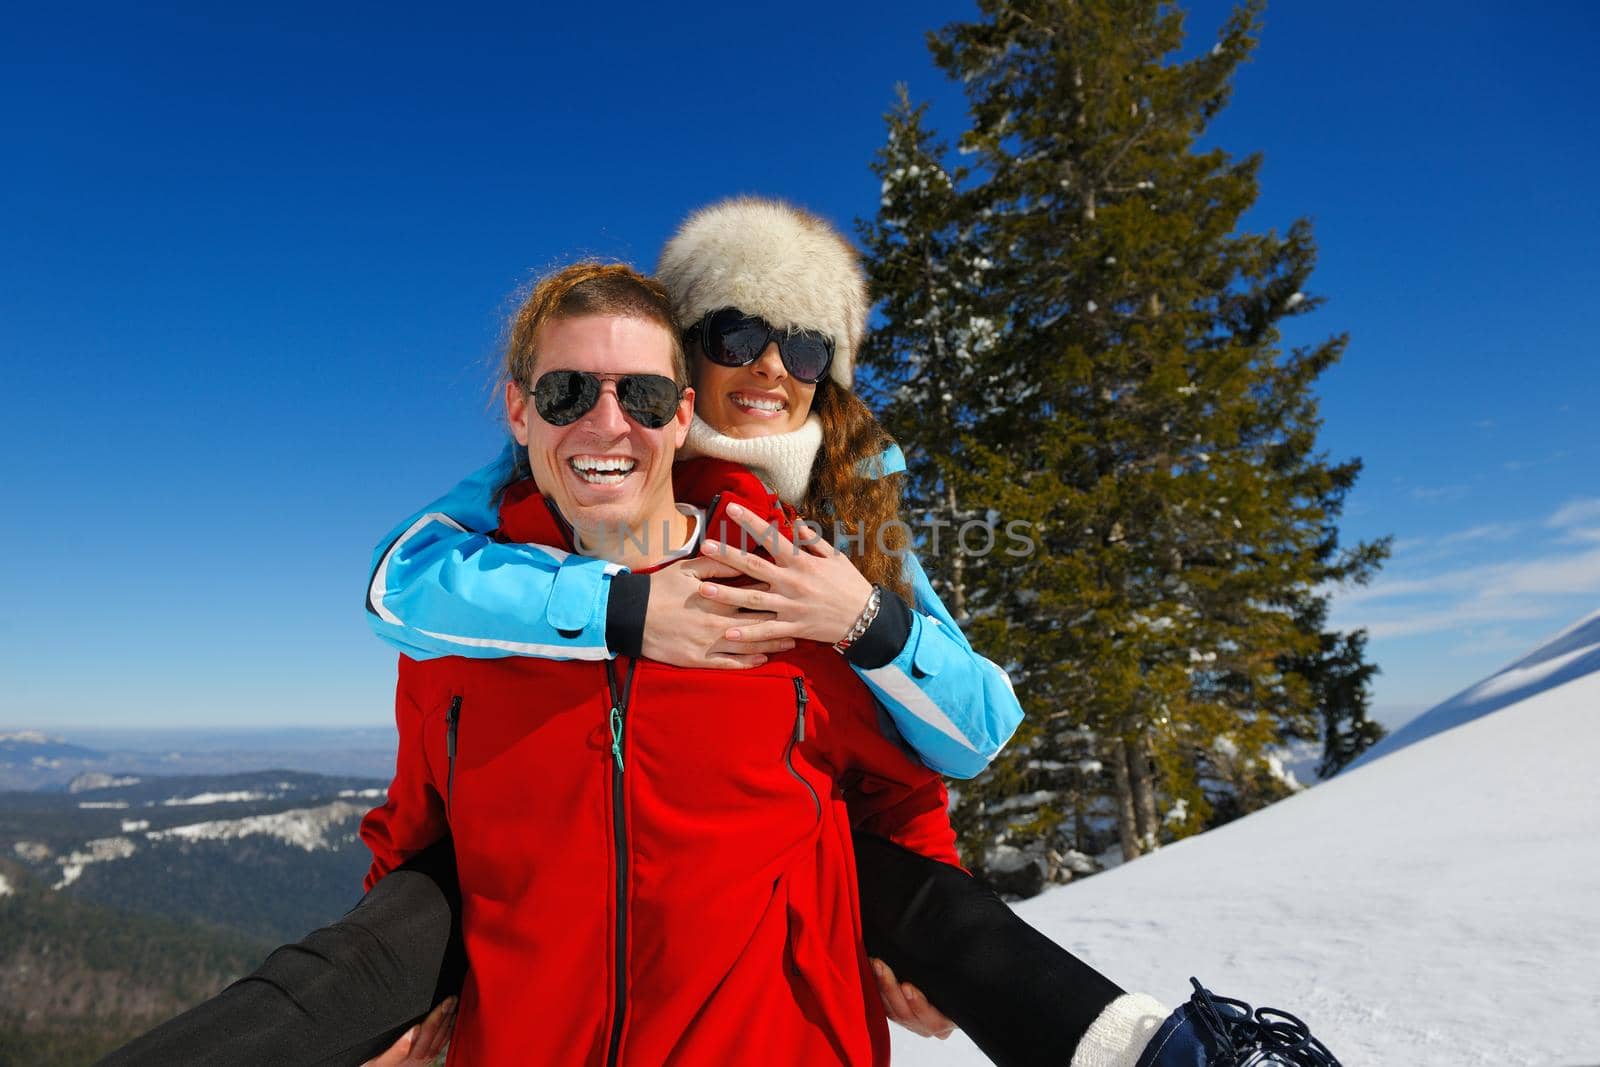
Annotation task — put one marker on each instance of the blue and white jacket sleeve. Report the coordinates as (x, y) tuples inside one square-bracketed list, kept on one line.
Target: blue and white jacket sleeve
[(954, 707), (441, 587)]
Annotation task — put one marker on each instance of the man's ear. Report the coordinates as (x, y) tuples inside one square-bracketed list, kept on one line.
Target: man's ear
[(684, 416), (517, 409)]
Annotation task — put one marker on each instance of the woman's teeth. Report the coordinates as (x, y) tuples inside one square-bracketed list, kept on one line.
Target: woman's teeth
[(602, 470), (758, 403)]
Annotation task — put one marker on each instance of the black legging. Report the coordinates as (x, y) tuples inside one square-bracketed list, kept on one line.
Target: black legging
[(1021, 998), (348, 990)]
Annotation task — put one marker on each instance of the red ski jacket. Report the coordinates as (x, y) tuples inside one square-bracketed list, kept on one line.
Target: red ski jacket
[(655, 863)]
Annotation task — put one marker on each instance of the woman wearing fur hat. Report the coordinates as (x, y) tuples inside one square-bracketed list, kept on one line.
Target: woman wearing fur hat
[(775, 307)]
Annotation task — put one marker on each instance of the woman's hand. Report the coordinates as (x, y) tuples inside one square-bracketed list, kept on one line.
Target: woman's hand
[(905, 1004), (422, 1042), (809, 592), (685, 629)]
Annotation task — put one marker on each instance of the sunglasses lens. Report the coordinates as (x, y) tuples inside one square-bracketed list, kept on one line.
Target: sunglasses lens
[(651, 399), (562, 397), (734, 339), (806, 355)]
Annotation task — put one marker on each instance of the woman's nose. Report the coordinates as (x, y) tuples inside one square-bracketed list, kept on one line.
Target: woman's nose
[(770, 365)]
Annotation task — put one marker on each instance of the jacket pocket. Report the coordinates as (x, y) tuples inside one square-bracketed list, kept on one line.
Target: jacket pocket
[(452, 723), (799, 735)]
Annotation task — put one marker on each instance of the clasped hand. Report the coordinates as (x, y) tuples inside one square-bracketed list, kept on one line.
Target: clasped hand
[(807, 592)]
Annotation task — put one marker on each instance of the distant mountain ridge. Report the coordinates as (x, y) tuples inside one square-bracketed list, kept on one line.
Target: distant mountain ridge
[(36, 760), (34, 748)]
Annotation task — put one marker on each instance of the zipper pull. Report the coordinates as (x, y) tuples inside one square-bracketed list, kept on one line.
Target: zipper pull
[(450, 720), (616, 736), (799, 709)]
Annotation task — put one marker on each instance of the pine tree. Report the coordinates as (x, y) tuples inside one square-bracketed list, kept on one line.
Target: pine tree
[(1340, 675), (1077, 333), (926, 268)]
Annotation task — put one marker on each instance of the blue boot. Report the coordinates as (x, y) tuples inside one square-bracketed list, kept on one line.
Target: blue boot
[(1212, 1031)]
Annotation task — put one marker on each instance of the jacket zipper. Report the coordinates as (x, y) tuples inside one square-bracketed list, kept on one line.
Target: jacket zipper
[(451, 719), (618, 717), (799, 736)]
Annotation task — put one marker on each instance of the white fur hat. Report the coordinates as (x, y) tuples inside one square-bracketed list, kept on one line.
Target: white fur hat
[(771, 259)]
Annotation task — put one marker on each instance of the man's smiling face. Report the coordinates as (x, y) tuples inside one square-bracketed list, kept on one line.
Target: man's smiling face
[(605, 472)]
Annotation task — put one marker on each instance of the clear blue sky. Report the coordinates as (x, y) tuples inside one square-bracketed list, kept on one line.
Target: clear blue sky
[(253, 265)]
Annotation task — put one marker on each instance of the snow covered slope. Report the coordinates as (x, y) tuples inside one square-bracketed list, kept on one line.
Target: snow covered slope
[(1439, 906), (1572, 653)]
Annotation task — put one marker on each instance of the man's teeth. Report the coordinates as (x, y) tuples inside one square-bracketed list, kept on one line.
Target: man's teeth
[(759, 403), (602, 470)]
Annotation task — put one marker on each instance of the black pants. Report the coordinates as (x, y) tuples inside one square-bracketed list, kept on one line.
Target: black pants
[(346, 991)]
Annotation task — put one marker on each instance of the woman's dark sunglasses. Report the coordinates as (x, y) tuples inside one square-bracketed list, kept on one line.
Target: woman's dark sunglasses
[(562, 397), (731, 338)]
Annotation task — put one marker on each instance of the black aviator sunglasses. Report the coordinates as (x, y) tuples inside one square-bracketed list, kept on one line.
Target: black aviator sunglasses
[(562, 397)]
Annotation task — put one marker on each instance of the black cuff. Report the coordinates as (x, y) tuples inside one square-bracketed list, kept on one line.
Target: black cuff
[(886, 636), (630, 596)]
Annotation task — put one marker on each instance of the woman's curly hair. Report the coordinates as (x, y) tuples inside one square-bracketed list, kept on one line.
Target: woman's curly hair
[(849, 491)]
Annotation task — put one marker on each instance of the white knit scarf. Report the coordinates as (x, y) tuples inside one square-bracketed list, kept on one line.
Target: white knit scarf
[(782, 460)]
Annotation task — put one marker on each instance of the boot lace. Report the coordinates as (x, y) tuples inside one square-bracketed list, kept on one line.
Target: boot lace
[(1257, 1036)]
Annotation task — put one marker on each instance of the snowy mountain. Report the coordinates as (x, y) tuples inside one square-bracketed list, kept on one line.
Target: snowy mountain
[(30, 756), (1434, 906), (125, 899), (268, 854)]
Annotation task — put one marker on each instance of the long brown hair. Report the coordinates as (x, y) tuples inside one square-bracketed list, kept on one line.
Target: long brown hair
[(849, 490)]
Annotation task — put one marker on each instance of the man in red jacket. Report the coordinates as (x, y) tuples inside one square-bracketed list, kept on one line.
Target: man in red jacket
[(655, 863)]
